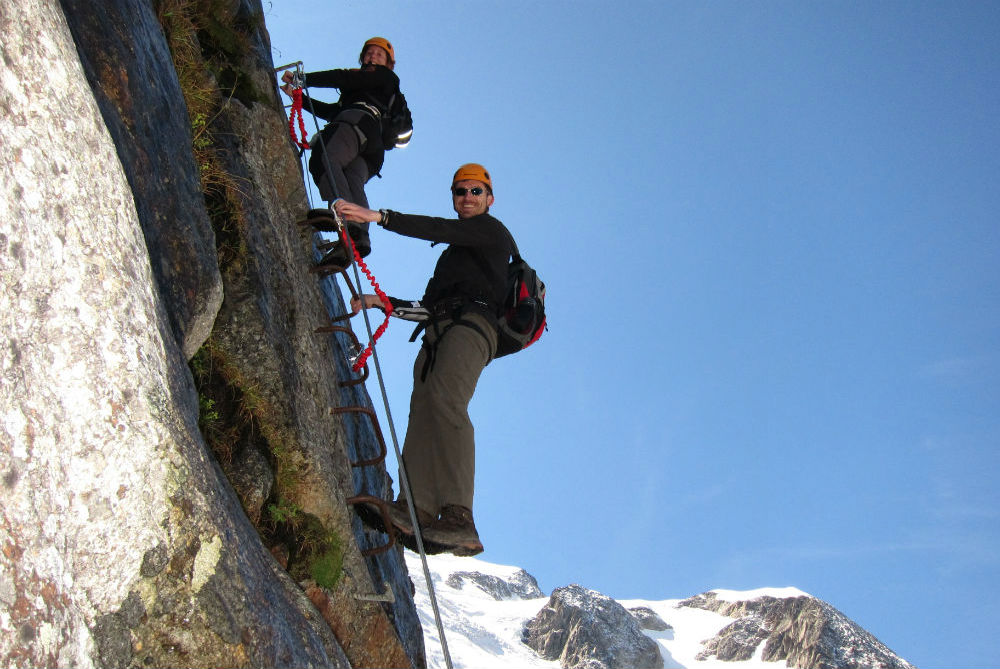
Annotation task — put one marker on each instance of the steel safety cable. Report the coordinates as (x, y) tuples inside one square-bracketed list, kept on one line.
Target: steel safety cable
[(404, 482)]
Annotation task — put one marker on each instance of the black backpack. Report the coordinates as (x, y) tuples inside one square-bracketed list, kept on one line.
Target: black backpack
[(397, 123), (522, 317)]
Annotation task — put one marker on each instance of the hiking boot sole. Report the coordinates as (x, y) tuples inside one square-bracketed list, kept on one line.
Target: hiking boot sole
[(371, 516), (430, 548), (461, 548), (467, 550)]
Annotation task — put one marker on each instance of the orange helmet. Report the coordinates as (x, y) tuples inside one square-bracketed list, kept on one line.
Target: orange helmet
[(380, 42), (473, 171)]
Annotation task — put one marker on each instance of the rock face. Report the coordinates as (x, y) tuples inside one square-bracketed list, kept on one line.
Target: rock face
[(126, 60), (648, 619), (521, 585), (585, 629), (804, 631), (119, 539), (145, 500)]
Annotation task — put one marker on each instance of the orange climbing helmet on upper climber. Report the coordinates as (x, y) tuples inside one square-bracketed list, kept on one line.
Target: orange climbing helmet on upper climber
[(383, 43)]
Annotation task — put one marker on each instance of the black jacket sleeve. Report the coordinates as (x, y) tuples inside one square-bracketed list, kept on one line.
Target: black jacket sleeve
[(324, 110), (482, 230), (353, 84)]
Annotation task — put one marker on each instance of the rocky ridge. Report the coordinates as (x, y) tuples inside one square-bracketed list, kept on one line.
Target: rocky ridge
[(584, 629), (649, 619), (804, 631), (521, 585)]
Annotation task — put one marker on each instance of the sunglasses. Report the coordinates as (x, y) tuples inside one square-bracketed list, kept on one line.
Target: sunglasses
[(475, 190)]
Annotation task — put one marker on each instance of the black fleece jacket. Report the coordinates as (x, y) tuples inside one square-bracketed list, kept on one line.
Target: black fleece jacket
[(371, 84), (473, 267), (374, 84)]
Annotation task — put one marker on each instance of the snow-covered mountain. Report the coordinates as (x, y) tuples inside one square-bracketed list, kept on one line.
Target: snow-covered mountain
[(491, 613)]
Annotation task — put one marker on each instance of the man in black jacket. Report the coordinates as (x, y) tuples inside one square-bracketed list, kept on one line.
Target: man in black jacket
[(459, 314), (352, 140)]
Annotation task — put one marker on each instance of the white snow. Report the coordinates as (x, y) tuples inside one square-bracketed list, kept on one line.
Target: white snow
[(483, 633)]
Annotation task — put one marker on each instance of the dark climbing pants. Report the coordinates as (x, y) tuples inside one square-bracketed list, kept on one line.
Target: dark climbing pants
[(440, 449), (349, 169)]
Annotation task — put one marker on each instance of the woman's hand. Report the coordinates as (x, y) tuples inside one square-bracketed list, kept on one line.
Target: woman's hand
[(287, 77)]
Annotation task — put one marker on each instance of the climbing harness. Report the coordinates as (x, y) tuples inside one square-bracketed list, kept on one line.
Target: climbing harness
[(452, 311), (361, 362)]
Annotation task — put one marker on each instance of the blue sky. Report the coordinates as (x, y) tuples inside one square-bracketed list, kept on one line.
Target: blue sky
[(769, 234)]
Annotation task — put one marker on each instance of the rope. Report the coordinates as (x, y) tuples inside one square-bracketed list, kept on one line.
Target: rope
[(386, 303), (297, 113), (404, 481)]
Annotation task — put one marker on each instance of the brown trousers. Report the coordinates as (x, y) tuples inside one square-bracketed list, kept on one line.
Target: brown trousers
[(440, 449)]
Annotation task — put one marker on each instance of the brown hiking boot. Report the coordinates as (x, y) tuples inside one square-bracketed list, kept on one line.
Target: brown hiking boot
[(399, 512), (455, 531), (399, 515)]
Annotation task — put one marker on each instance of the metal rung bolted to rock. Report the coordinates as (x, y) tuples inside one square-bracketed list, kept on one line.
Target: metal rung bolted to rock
[(322, 220)]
